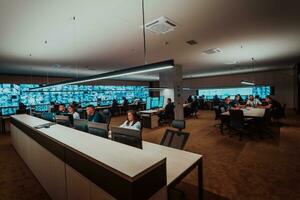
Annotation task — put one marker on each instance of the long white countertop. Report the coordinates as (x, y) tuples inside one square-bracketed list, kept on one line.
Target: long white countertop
[(127, 160)]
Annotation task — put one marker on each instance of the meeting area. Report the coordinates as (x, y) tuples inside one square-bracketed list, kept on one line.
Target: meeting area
[(158, 100)]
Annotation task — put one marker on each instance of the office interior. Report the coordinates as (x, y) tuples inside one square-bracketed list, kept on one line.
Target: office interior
[(149, 99)]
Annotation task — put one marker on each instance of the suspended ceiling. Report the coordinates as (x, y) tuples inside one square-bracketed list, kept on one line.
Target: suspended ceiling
[(41, 37)]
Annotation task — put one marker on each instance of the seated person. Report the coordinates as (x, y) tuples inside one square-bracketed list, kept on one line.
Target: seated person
[(94, 116), (168, 112), (132, 121), (190, 99), (114, 107), (227, 104), (236, 101), (72, 110), (61, 109), (253, 102), (124, 104), (22, 109)]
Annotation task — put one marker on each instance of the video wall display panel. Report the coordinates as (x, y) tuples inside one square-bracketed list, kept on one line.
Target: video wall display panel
[(98, 95), (261, 91)]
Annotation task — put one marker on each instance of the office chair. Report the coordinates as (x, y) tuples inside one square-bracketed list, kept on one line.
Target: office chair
[(107, 116), (81, 125), (48, 116), (63, 120), (99, 129), (238, 122), (127, 136), (37, 114), (178, 124)]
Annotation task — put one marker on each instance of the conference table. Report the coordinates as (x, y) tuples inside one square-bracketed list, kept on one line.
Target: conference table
[(250, 112), (71, 164)]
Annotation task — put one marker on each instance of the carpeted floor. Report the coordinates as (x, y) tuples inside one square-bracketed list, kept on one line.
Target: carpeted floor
[(253, 168)]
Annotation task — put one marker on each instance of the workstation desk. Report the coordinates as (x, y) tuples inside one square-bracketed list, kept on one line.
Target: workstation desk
[(71, 164), (250, 112)]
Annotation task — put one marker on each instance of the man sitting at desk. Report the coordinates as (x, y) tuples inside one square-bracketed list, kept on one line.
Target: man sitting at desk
[(226, 105), (132, 121), (94, 116), (253, 102), (61, 109), (168, 112)]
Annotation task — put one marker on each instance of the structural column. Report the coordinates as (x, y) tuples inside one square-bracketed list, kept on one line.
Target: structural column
[(171, 80)]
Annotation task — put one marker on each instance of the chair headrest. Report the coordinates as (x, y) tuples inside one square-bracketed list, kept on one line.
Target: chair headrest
[(179, 124)]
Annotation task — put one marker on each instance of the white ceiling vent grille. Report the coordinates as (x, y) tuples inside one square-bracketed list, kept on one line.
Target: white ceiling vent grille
[(212, 51), (161, 25)]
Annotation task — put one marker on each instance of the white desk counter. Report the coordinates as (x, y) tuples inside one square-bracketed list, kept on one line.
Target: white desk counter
[(250, 112), (91, 167)]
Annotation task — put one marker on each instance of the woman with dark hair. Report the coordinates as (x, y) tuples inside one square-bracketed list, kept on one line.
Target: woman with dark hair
[(132, 121)]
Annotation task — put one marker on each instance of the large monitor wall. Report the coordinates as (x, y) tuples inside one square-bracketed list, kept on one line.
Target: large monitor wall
[(261, 91), (12, 94)]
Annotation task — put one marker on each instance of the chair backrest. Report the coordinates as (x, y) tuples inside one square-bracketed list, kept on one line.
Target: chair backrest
[(48, 116), (174, 139), (217, 113), (127, 136), (63, 120), (179, 124), (81, 125), (236, 119), (99, 129), (107, 116), (37, 114), (267, 118)]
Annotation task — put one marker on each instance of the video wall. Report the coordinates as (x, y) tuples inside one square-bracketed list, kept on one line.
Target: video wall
[(222, 93), (98, 95)]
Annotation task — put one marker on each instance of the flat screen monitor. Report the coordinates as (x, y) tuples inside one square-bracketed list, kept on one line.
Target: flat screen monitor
[(148, 103), (161, 101), (154, 102)]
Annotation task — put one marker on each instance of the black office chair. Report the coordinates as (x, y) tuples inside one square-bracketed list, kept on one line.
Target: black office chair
[(107, 116), (173, 138), (48, 116), (238, 122), (81, 125), (63, 120), (37, 114), (127, 136), (99, 129)]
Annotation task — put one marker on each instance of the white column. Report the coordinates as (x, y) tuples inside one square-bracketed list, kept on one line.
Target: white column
[(172, 81)]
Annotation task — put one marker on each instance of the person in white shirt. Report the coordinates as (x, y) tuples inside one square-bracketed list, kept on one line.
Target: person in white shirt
[(132, 121), (72, 110), (253, 102)]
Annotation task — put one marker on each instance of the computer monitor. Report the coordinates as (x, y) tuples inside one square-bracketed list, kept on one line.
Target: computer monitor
[(127, 136), (148, 103), (154, 102), (161, 101)]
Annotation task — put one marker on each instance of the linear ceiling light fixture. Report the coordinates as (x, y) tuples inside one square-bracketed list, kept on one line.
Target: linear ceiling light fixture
[(115, 74), (243, 82), (247, 83)]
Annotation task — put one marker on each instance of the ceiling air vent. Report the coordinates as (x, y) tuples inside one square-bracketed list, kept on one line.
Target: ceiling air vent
[(161, 25), (212, 51), (192, 42)]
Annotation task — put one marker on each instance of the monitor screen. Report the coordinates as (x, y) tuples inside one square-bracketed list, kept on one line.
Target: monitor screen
[(154, 102), (148, 103), (161, 101)]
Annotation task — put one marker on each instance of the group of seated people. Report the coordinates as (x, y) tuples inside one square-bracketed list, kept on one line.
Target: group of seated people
[(132, 121), (254, 102)]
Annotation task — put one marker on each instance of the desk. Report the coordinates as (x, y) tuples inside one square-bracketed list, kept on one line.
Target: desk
[(71, 164), (150, 118), (250, 112), (179, 164), (3, 120)]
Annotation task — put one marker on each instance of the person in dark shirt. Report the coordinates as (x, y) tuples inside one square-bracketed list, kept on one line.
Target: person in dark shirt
[(190, 99), (94, 116), (236, 101), (168, 112), (226, 105), (124, 105), (216, 100), (114, 107), (61, 109)]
